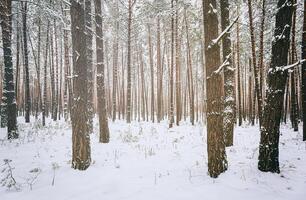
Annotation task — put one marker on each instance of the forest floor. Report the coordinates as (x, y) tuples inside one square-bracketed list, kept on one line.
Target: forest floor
[(145, 161)]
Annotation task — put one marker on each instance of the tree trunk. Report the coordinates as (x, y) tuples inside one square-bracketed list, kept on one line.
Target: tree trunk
[(26, 64), (229, 92), (129, 73), (9, 91), (80, 133), (269, 140), (171, 111), (90, 78), (217, 162), (294, 99), (104, 130)]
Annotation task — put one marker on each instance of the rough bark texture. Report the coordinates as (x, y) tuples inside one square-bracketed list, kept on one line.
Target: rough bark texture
[(80, 134), (229, 92), (104, 130), (217, 162), (269, 140), (9, 91), (90, 77)]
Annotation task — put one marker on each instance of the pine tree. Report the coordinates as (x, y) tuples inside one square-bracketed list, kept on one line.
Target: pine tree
[(229, 92), (276, 82), (81, 157), (9, 91), (217, 162), (104, 131)]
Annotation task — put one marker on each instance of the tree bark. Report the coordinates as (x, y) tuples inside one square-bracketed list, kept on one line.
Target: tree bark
[(217, 162), (9, 91), (81, 157), (269, 139), (229, 92)]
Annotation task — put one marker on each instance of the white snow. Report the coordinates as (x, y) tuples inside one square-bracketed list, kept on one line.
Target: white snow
[(145, 161)]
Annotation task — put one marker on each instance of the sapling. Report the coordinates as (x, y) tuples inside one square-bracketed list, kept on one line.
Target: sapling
[(55, 166), (8, 179)]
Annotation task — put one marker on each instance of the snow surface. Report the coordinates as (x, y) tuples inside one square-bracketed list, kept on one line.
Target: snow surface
[(145, 161)]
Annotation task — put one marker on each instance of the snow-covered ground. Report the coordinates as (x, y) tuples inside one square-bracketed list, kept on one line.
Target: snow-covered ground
[(145, 161)]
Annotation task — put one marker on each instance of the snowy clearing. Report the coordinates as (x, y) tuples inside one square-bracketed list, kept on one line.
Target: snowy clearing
[(146, 161)]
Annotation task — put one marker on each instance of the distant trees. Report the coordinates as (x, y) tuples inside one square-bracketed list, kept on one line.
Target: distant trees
[(81, 156)]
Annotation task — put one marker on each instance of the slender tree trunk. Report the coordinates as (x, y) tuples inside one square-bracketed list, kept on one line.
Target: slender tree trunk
[(239, 78), (104, 130), (294, 99), (261, 48), (129, 73), (171, 111), (45, 103), (152, 73), (115, 61), (26, 66), (229, 74), (159, 73), (269, 140)]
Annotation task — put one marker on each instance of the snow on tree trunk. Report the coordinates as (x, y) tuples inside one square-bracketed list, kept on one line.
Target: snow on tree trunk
[(217, 162), (276, 82), (80, 133), (229, 92), (9, 91)]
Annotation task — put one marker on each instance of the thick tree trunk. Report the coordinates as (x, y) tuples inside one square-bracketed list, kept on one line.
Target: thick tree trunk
[(269, 140), (80, 133), (104, 130), (9, 91), (217, 162)]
